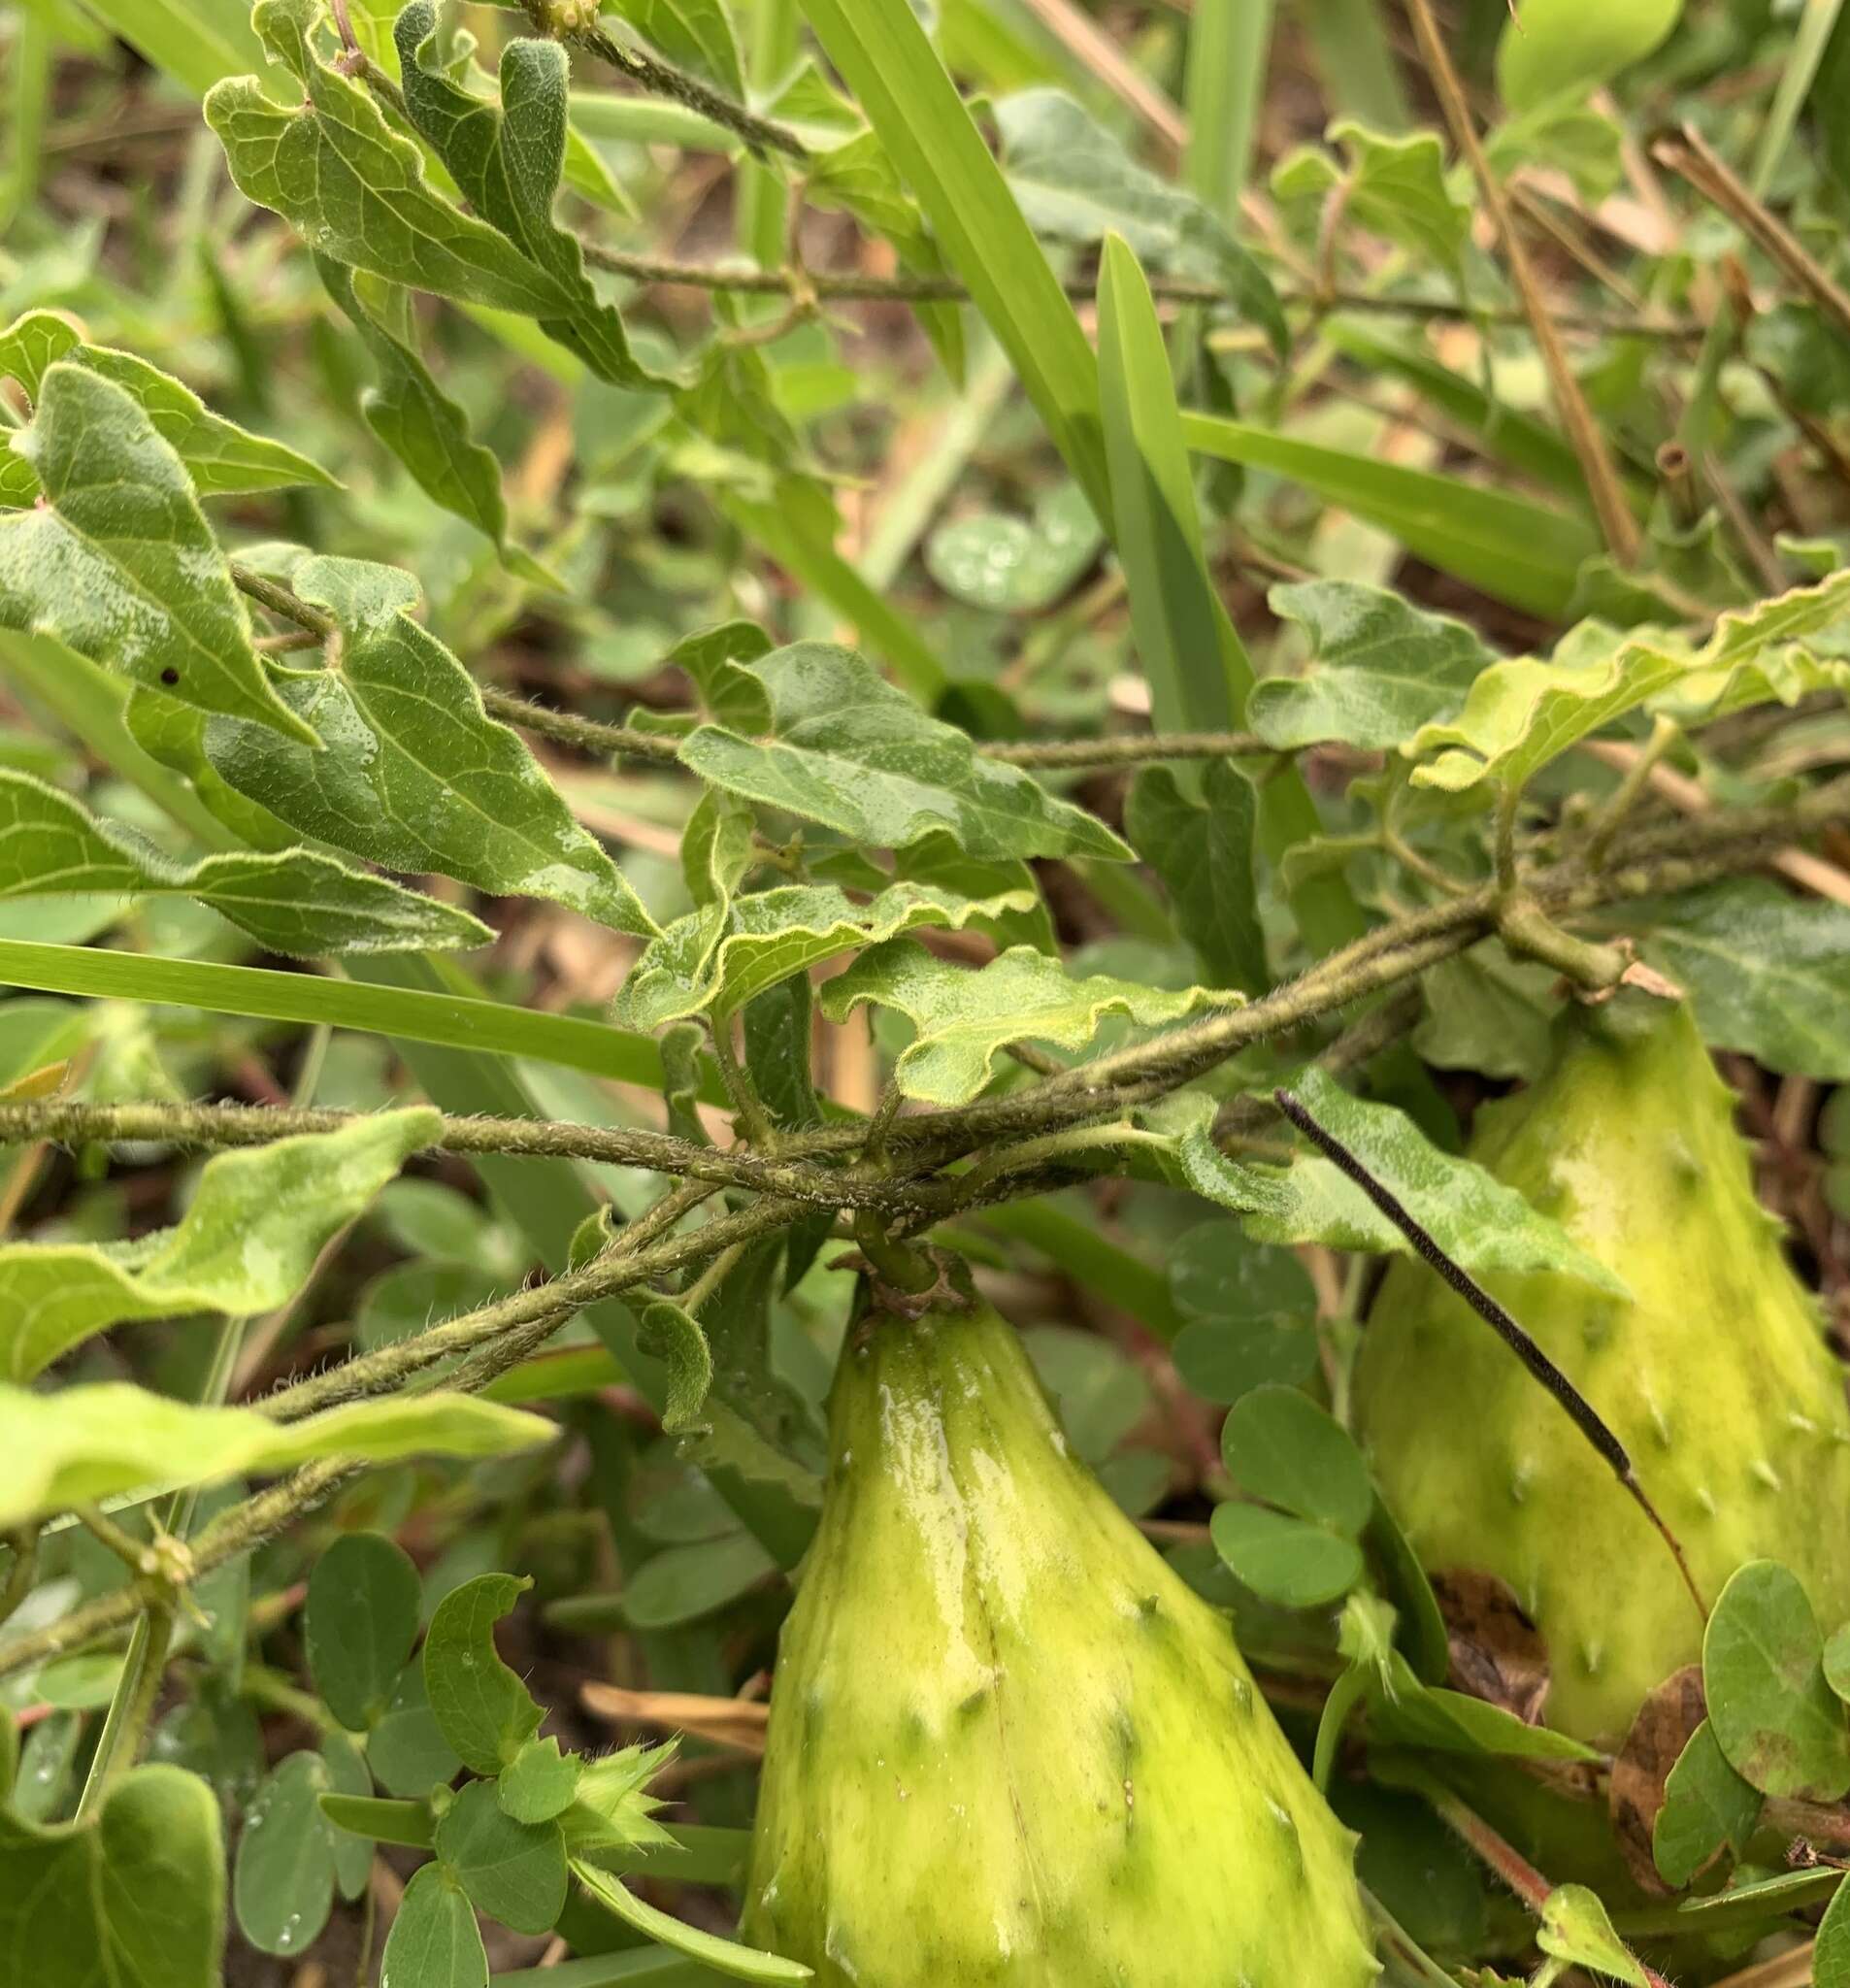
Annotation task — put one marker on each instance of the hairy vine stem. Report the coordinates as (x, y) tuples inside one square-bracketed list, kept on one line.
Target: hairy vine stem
[(855, 286)]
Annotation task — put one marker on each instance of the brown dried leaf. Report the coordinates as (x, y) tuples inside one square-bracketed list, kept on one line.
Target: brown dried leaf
[(735, 1722), (1497, 1652), (1652, 1749)]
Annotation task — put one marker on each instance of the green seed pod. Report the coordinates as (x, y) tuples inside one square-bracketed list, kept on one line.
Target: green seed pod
[(1008, 1744), (1714, 1375)]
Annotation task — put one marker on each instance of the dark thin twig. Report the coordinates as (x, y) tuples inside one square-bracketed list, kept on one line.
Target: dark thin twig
[(1581, 1411)]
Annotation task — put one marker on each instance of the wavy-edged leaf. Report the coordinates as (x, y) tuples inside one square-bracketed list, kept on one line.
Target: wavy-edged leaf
[(1487, 1227), (716, 960), (417, 776), (1521, 713), (246, 1243), (219, 456), (507, 158), (1379, 668), (1513, 550), (134, 1897), (82, 1444), (417, 419), (1395, 185), (1077, 183), (963, 1016), (117, 560), (354, 188), (295, 901), (853, 753), (887, 61)]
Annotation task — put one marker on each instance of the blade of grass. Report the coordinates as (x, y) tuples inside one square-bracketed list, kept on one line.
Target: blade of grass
[(1197, 668), (1515, 438), (1515, 550), (1350, 46), (887, 61), (453, 1021), (1229, 50)]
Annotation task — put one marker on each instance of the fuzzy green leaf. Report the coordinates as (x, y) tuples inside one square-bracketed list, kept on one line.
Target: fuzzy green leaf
[(962, 1018), (90, 1442), (540, 1782), (118, 562), (219, 456), (850, 752), (508, 157), (1396, 187), (134, 1898), (1477, 1220), (1378, 669), (1015, 565), (671, 1334), (417, 419), (1768, 973), (246, 1245), (1575, 1928), (417, 776), (336, 170), (718, 959), (695, 35), (295, 901)]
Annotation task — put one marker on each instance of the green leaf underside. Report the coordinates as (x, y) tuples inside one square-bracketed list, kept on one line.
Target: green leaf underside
[(507, 158), (354, 188), (118, 562), (1486, 1226), (295, 901), (246, 1245), (963, 1017), (219, 456), (718, 959), (850, 752), (95, 1441), (417, 775)]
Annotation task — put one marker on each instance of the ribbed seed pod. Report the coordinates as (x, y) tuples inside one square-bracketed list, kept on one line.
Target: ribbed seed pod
[(1714, 1375), (1008, 1744)]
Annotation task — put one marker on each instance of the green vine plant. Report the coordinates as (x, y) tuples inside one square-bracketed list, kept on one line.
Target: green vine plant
[(962, 960)]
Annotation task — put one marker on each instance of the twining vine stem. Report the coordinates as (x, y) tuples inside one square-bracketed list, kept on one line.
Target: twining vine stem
[(1639, 863)]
